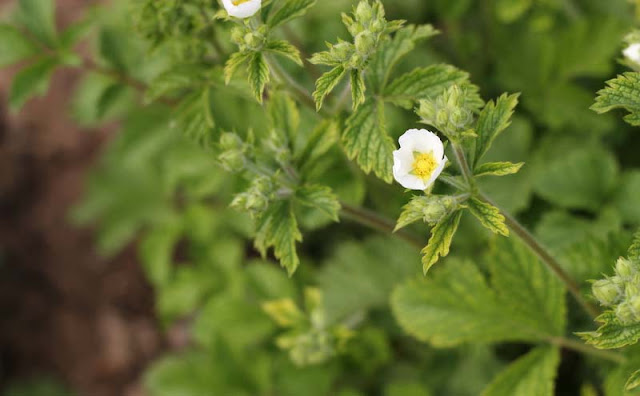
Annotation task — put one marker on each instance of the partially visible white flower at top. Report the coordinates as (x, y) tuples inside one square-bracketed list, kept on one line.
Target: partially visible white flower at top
[(420, 159), (242, 8), (632, 52)]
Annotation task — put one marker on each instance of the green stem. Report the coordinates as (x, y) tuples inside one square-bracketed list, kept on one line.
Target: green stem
[(544, 255), (462, 162), (578, 346), (374, 220), (525, 236)]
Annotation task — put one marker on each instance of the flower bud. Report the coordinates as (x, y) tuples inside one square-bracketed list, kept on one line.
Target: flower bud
[(625, 314), (230, 141), (625, 267), (253, 40), (364, 12), (342, 51), (377, 26), (232, 160), (606, 291), (365, 43), (634, 304), (437, 208), (237, 35)]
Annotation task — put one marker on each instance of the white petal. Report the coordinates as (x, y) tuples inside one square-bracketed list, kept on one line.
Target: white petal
[(422, 141), (411, 182), (244, 10), (402, 161), (632, 52)]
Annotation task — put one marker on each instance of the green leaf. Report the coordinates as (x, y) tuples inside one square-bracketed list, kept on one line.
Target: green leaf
[(278, 228), (319, 197), (365, 138), (285, 49), (156, 252), (31, 81), (113, 49), (498, 169), (494, 118), (326, 83), (612, 333), (412, 211), (14, 46), (174, 81), (531, 374), (109, 98), (193, 117), (187, 374), (74, 33), (236, 60), (510, 10), (527, 287), (634, 249), (582, 178), (622, 92), (361, 275), (39, 17), (289, 10), (258, 75), (284, 116), (625, 198), (423, 83), (489, 216), (633, 382), (525, 302), (392, 51), (357, 89), (440, 240)]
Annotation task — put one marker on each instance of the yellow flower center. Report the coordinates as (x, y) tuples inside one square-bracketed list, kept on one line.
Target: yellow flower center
[(238, 2), (423, 165)]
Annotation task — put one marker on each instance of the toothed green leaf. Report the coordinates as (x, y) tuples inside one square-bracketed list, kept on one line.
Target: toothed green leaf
[(494, 118), (489, 216), (288, 10), (531, 374), (622, 92), (285, 49), (326, 83), (440, 240), (277, 227), (365, 139), (258, 75)]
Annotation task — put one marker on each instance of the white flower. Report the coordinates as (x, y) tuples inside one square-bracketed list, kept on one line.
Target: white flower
[(242, 8), (632, 52), (420, 159)]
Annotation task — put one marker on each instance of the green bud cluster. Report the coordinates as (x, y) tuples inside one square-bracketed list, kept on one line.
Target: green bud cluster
[(621, 292), (368, 27), (450, 112), (257, 198), (309, 339), (249, 40), (233, 156)]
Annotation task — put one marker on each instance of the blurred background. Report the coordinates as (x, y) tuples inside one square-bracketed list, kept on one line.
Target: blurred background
[(79, 314)]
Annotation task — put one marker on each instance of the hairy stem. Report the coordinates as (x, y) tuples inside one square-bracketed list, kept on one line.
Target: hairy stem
[(578, 346), (546, 258), (374, 220), (525, 236)]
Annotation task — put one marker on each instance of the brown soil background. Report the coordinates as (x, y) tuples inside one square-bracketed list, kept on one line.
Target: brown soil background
[(65, 310)]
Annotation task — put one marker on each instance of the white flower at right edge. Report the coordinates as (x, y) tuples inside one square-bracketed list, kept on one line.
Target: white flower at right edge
[(420, 159), (242, 8), (632, 52)]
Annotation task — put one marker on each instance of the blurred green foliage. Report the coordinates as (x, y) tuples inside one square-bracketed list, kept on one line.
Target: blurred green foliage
[(162, 184)]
